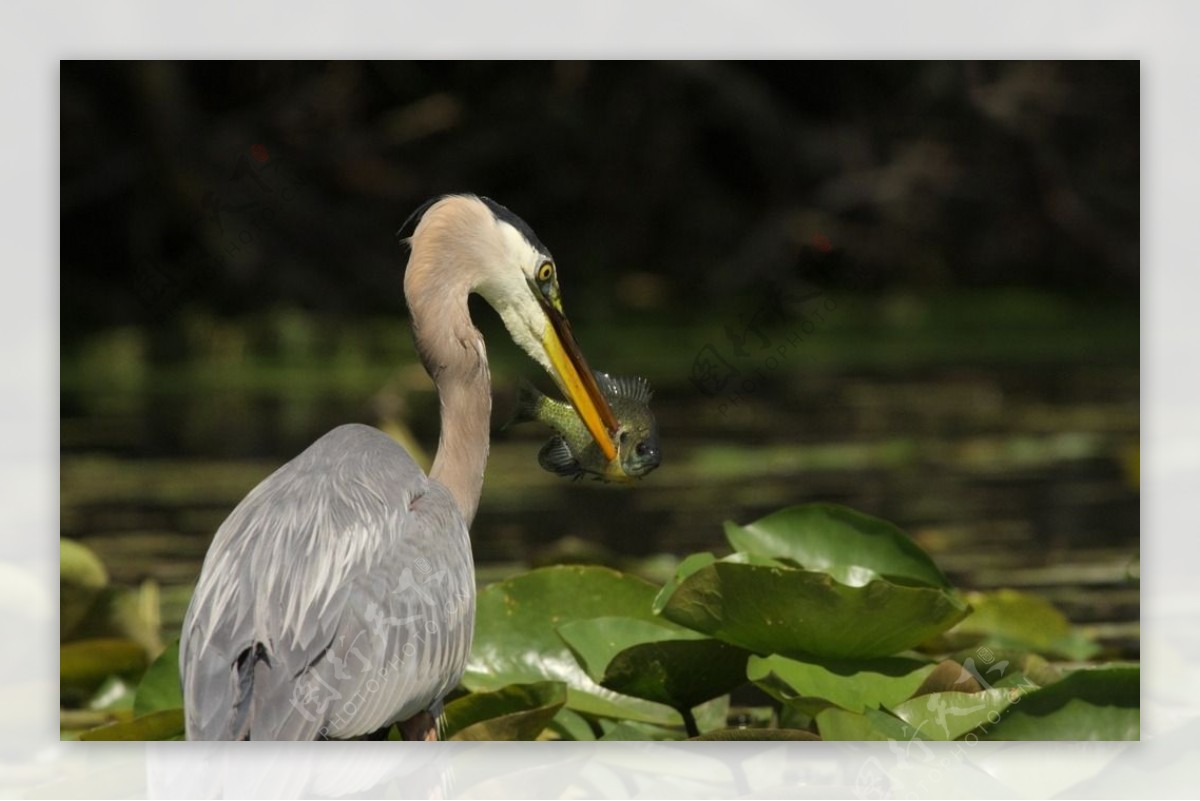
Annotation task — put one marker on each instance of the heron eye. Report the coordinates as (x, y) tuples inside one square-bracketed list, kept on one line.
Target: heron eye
[(545, 272)]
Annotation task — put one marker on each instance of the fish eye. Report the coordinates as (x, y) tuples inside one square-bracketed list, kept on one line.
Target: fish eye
[(545, 272), (640, 449)]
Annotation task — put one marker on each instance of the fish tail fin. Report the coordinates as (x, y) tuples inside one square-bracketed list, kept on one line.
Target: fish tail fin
[(529, 401)]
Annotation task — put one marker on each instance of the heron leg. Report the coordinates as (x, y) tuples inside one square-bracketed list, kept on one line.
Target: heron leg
[(421, 726)]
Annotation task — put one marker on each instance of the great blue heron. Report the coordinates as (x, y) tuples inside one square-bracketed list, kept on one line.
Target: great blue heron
[(339, 596)]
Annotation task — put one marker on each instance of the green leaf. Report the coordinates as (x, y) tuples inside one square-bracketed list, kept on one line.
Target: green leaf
[(87, 663), (804, 614), (1110, 685), (855, 686), (849, 545), (950, 715), (515, 712), (570, 725), (835, 723), (160, 687), (712, 714), (728, 735), (1089, 704), (1018, 620), (81, 580), (686, 568), (166, 724), (114, 695), (516, 639), (1074, 720), (630, 730), (656, 661), (892, 727)]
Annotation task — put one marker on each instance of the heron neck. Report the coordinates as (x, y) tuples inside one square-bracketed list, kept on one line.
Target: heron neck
[(457, 360)]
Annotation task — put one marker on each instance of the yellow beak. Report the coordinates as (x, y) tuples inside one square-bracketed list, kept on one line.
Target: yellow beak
[(575, 379)]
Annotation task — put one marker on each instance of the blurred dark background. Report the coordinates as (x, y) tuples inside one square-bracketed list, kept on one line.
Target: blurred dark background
[(704, 177), (910, 287)]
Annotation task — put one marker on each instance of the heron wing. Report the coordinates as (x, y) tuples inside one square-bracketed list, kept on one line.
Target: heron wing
[(336, 598)]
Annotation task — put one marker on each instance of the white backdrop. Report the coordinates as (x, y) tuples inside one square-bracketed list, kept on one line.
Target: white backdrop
[(35, 35)]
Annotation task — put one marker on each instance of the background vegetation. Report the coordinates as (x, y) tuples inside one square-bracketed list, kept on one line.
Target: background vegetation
[(947, 254)]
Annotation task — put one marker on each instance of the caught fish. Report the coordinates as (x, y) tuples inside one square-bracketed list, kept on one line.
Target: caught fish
[(573, 453)]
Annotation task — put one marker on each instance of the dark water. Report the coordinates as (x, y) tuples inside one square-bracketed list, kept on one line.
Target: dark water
[(1021, 476)]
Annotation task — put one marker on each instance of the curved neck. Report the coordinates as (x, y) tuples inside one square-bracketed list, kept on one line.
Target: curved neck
[(453, 353)]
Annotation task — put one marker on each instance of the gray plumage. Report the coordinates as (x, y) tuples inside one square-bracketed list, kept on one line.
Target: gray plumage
[(352, 572), (339, 596)]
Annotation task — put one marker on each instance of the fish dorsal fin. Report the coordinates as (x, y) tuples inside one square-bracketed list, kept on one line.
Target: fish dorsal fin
[(556, 457), (634, 388)]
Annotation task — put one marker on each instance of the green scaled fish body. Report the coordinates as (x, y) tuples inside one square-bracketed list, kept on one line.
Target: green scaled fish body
[(573, 452)]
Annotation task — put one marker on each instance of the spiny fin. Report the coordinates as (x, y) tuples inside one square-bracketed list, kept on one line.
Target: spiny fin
[(528, 401), (556, 457), (634, 388)]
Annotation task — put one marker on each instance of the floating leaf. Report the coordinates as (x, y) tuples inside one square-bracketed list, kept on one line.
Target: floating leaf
[(81, 580), (87, 663), (629, 730), (849, 545), (1019, 620), (515, 712), (516, 640), (655, 661), (1074, 720), (836, 723), (892, 727), (757, 734), (948, 676), (686, 568), (160, 687), (1089, 704), (772, 609), (856, 686), (166, 724), (114, 695), (950, 715), (570, 725)]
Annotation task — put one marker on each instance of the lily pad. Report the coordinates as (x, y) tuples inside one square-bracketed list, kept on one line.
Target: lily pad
[(87, 663), (849, 545), (950, 715), (856, 686), (729, 735), (874, 724), (656, 661), (628, 730), (1019, 620), (1088, 704), (166, 724), (160, 687), (81, 580), (570, 725), (515, 712), (114, 695), (516, 641), (1074, 720), (773, 609), (835, 723)]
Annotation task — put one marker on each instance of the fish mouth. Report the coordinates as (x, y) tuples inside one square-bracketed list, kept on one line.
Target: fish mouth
[(575, 379), (643, 466), (643, 459), (640, 470)]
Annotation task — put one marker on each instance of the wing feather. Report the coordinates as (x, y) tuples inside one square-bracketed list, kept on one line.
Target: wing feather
[(353, 572)]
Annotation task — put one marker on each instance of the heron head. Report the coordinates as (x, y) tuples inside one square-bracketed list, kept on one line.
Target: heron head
[(498, 255)]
